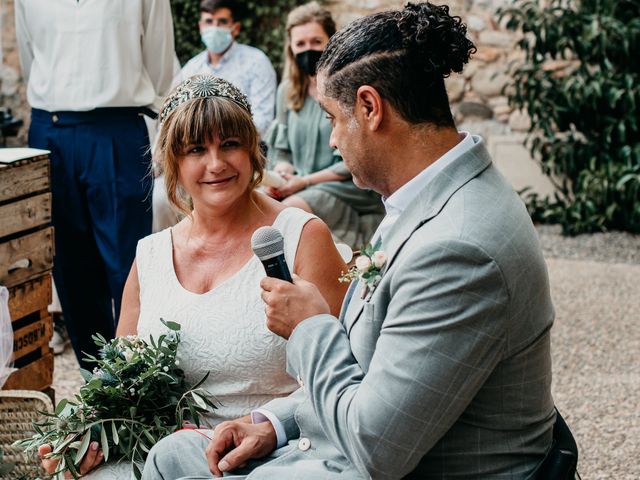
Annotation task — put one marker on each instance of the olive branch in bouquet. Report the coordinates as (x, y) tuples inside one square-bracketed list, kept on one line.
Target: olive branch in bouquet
[(136, 395)]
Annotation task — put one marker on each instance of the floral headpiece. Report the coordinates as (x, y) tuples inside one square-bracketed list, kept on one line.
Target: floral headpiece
[(202, 86)]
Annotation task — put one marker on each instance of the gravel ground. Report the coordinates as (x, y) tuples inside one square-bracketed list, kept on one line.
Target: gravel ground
[(595, 284), (610, 247)]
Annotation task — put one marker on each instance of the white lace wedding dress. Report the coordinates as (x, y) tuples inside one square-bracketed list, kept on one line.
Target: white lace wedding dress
[(223, 330)]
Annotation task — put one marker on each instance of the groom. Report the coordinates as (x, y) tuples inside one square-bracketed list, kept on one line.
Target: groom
[(442, 369)]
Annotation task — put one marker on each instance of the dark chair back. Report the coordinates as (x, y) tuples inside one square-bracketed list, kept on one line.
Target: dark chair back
[(561, 461)]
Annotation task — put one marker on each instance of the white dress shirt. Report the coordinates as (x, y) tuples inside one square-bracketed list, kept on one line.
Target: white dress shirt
[(395, 204), (247, 68), (78, 55)]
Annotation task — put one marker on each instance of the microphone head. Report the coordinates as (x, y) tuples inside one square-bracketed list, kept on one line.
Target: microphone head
[(267, 242)]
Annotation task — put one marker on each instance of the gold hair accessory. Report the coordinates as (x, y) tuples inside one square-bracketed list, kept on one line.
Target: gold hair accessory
[(202, 86)]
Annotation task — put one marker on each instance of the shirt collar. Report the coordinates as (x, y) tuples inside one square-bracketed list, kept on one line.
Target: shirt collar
[(397, 202)]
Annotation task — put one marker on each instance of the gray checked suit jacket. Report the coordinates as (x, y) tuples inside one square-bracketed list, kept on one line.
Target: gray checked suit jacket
[(445, 371)]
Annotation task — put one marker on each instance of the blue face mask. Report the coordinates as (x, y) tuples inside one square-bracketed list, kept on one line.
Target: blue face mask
[(217, 39)]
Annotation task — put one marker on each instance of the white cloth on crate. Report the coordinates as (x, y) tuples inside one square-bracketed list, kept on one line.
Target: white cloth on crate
[(91, 58), (6, 336), (223, 331), (249, 69)]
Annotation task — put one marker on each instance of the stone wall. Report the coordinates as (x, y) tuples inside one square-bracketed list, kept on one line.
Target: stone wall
[(12, 89), (476, 94)]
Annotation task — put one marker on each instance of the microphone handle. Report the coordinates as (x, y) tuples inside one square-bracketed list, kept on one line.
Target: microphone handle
[(276, 267)]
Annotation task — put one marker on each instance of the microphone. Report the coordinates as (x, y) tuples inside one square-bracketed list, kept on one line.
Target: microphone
[(268, 245)]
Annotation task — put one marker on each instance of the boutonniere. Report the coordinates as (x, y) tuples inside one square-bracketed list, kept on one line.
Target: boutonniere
[(368, 268)]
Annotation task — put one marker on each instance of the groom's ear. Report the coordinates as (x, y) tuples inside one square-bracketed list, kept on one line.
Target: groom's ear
[(369, 107)]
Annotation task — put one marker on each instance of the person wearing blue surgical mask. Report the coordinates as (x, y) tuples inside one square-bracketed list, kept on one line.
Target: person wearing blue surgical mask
[(245, 66), (218, 29)]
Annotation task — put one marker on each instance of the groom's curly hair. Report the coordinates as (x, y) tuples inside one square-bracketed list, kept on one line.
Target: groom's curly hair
[(405, 55)]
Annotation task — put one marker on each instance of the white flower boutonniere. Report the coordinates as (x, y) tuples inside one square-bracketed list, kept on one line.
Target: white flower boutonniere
[(368, 268)]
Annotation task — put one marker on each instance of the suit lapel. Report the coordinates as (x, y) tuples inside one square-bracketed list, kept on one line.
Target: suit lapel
[(347, 299), (429, 203)]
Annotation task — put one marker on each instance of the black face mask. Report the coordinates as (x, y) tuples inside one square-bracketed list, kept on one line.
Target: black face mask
[(308, 60)]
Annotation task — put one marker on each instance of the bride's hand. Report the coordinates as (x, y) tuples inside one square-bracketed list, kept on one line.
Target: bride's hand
[(91, 460)]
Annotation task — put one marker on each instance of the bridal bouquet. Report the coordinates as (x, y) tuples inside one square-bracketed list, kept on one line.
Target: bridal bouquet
[(136, 395)]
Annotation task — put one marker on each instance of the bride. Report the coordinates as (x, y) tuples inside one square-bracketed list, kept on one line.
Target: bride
[(202, 272)]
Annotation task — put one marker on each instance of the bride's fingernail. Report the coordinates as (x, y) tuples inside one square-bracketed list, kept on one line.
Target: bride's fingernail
[(223, 466), (94, 446)]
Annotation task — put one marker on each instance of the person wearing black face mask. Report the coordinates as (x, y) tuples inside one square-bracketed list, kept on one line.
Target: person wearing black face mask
[(316, 178), (308, 60)]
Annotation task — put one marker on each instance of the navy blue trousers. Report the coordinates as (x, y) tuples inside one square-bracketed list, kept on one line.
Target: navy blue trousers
[(101, 189)]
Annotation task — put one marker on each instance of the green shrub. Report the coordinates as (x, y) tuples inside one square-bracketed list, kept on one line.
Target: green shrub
[(263, 29), (585, 118)]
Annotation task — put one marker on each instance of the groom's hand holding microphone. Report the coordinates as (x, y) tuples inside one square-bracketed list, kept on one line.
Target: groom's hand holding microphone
[(289, 299)]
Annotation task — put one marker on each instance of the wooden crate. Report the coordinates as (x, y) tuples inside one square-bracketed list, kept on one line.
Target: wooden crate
[(32, 325), (36, 375), (32, 331), (26, 259)]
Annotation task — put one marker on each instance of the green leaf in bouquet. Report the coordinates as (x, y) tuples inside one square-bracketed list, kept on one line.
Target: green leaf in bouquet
[(72, 469), (202, 380), (136, 471), (91, 358), (94, 384), (199, 401), (104, 442), (86, 375), (114, 433), (149, 436), (64, 444), (60, 407), (84, 446), (99, 339), (62, 466), (195, 418), (171, 325)]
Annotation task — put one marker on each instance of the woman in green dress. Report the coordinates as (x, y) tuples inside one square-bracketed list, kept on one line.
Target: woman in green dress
[(316, 178)]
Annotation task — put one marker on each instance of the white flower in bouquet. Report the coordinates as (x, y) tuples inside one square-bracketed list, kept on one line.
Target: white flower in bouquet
[(363, 263), (379, 259)]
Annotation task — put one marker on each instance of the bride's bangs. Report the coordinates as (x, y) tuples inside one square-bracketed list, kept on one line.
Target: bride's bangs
[(202, 120)]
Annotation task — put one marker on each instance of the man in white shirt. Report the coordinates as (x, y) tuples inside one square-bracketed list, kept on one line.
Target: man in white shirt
[(92, 68), (246, 67)]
